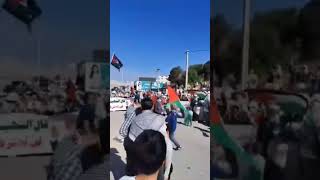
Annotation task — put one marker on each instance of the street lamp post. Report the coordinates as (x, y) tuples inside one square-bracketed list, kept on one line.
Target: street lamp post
[(187, 66), (187, 70), (158, 74)]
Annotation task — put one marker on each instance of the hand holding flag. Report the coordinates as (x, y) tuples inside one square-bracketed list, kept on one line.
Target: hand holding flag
[(174, 99)]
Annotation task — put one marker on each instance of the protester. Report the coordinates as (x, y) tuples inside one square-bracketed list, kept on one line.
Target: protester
[(101, 119), (130, 114), (71, 95), (87, 112), (285, 140), (137, 97), (223, 164), (188, 117), (172, 125), (148, 155), (75, 153), (65, 163), (158, 108), (148, 120)]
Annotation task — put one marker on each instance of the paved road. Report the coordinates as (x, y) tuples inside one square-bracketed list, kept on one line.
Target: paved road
[(23, 168), (190, 163)]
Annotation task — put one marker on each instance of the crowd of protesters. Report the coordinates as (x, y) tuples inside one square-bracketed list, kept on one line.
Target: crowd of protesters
[(140, 118), (82, 153), (151, 110), (53, 99), (285, 146), (234, 103)]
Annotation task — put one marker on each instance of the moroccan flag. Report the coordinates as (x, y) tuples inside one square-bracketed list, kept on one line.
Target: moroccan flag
[(24, 10), (174, 99), (116, 62), (221, 137)]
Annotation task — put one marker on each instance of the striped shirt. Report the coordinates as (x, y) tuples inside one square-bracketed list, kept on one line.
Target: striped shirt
[(128, 117), (65, 163)]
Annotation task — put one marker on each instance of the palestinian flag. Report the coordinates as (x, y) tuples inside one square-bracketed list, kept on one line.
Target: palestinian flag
[(174, 99), (293, 105), (116, 62), (24, 10), (221, 137)]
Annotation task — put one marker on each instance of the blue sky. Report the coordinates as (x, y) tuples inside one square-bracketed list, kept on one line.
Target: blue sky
[(232, 9), (151, 34)]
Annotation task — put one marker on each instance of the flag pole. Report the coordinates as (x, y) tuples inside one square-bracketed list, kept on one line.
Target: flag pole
[(39, 57), (246, 45), (122, 75), (187, 70), (112, 55)]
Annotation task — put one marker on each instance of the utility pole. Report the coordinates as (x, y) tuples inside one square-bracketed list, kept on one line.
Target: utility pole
[(158, 74), (246, 43), (187, 69)]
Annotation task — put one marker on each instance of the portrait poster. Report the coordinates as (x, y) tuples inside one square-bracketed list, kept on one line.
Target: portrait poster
[(97, 76)]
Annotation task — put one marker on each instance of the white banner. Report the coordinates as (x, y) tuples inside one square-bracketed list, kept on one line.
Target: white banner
[(24, 134)]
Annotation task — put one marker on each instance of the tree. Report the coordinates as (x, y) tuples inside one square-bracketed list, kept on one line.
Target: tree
[(220, 33), (273, 38), (309, 28), (193, 77), (206, 71), (176, 75)]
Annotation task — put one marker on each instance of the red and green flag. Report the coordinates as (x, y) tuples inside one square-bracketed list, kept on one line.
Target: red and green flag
[(221, 137), (293, 106), (174, 99)]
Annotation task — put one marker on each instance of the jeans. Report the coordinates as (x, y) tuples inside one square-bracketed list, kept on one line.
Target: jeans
[(173, 139)]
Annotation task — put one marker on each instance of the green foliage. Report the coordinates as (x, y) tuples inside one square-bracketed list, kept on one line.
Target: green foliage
[(198, 73), (309, 30), (176, 76), (276, 37), (194, 76)]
